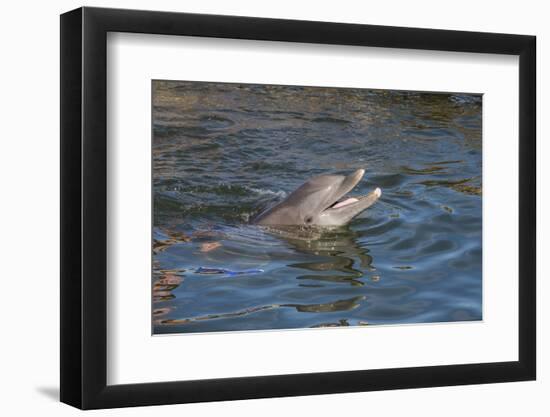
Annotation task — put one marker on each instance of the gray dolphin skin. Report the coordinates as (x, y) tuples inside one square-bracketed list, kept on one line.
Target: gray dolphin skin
[(320, 202)]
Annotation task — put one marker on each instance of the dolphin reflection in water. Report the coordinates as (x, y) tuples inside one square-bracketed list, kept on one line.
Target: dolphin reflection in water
[(333, 256)]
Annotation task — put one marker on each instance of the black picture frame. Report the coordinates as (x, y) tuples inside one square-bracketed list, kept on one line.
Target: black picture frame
[(84, 207)]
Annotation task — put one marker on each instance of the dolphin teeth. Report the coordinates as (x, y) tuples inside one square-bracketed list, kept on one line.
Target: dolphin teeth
[(378, 192)]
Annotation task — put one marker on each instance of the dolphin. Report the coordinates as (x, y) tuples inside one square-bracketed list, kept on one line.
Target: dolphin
[(320, 202)]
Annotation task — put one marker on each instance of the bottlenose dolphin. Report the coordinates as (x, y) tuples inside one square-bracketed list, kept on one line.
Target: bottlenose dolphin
[(319, 202)]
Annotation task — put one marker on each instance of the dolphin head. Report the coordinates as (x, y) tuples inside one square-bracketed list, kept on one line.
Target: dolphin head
[(321, 201)]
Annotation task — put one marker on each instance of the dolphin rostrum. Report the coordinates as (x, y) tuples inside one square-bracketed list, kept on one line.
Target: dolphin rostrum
[(320, 202)]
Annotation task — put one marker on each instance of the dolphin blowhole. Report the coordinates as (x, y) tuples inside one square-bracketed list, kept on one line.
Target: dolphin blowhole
[(321, 201)]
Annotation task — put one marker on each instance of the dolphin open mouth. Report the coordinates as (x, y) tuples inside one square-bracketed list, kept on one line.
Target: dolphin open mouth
[(343, 201), (347, 201)]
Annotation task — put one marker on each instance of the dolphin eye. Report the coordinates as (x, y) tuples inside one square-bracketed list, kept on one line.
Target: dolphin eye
[(309, 219)]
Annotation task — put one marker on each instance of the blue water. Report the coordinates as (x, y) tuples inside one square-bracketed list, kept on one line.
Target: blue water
[(224, 152)]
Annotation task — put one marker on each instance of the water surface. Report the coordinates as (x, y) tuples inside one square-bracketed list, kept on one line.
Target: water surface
[(224, 152)]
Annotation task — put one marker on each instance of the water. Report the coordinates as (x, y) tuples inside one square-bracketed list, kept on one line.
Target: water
[(224, 152)]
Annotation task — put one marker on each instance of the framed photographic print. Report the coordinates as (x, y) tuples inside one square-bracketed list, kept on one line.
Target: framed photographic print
[(258, 207)]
